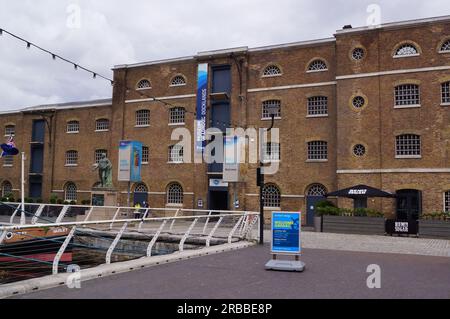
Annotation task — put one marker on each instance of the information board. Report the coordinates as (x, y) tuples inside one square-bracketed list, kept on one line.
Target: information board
[(286, 230)]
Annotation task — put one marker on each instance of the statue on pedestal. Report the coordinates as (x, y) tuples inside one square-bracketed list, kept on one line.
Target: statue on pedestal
[(104, 167)]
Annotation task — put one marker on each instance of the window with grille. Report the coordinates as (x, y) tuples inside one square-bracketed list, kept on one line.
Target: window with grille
[(177, 115), (143, 118), (10, 130), (71, 158), (102, 125), (358, 54), (447, 201), (318, 105), (267, 106), (141, 188), (272, 196), (445, 90), (445, 47), (408, 145), (272, 70), (99, 155), (7, 189), (359, 150), (176, 154), (407, 94), (406, 50), (317, 150), (271, 152), (317, 65), (317, 190), (8, 161), (145, 155), (73, 127), (178, 80), (175, 194), (70, 192), (358, 102), (144, 84)]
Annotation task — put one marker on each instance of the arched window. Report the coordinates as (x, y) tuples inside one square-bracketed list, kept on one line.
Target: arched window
[(144, 84), (141, 188), (10, 130), (408, 145), (407, 94), (143, 118), (272, 70), (102, 125), (317, 65), (317, 150), (71, 158), (7, 189), (445, 91), (70, 192), (317, 105), (73, 127), (99, 155), (178, 81), (445, 47), (271, 107), (177, 115), (272, 196), (447, 201), (317, 190), (407, 49), (174, 194)]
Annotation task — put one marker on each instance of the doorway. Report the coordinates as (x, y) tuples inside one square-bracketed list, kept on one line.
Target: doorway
[(140, 195), (311, 202), (218, 200), (409, 204)]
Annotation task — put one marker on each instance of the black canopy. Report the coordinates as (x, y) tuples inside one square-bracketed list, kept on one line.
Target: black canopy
[(360, 191)]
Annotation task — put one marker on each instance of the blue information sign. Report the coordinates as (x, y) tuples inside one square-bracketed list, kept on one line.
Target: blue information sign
[(286, 233), (202, 100)]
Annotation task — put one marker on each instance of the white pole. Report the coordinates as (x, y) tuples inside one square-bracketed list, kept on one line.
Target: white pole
[(22, 216)]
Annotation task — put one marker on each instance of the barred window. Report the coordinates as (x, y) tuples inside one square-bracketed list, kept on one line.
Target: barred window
[(317, 190), (177, 115), (271, 104), (99, 155), (174, 194), (406, 50), (7, 189), (71, 158), (318, 105), (447, 201), (445, 89), (271, 152), (10, 130), (102, 125), (407, 94), (317, 65), (178, 81), (358, 54), (272, 196), (70, 192), (408, 145), (317, 150), (143, 118), (272, 70), (176, 154), (144, 84), (73, 127), (359, 150), (358, 102), (145, 155), (141, 188), (445, 47), (8, 161)]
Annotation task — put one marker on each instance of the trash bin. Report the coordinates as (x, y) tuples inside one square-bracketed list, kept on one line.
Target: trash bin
[(318, 224)]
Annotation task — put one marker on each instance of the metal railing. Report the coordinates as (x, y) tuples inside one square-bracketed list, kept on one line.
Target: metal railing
[(182, 229)]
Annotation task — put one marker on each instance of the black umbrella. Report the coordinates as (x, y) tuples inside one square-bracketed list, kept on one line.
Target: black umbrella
[(360, 191)]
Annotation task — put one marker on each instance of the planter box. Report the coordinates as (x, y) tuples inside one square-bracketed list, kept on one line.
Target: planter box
[(353, 225), (434, 229)]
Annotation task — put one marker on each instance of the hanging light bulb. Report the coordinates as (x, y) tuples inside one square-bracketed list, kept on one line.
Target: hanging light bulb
[(28, 45), (1, 31), (53, 56), (94, 75), (75, 67)]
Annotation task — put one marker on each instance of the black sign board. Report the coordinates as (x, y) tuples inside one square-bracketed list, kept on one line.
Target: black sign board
[(402, 227)]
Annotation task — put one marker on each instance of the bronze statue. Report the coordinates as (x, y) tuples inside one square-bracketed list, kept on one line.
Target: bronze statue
[(104, 167)]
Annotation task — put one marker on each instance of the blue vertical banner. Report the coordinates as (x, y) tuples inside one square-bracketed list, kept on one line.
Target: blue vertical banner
[(130, 161), (286, 233), (136, 158), (202, 100)]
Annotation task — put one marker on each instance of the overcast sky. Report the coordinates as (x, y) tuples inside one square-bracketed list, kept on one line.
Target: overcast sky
[(110, 32)]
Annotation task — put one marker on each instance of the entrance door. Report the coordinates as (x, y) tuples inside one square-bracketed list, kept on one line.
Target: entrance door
[(409, 204), (218, 200), (311, 202), (140, 195)]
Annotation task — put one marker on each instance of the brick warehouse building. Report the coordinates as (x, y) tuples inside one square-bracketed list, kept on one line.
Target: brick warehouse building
[(367, 106)]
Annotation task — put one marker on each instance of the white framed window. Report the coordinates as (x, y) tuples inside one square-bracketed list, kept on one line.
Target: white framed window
[(144, 84), (102, 125), (405, 50), (317, 65), (317, 190), (407, 95), (317, 151), (178, 80), (271, 152), (143, 118), (272, 70), (70, 192), (177, 115), (175, 194), (99, 155), (10, 130), (7, 189), (271, 104), (176, 154), (445, 47), (445, 93), (71, 158), (447, 201), (73, 127), (408, 146), (359, 150), (145, 155), (272, 196), (317, 106), (8, 161)]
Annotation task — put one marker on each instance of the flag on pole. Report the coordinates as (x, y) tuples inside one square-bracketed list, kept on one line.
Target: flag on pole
[(9, 148)]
